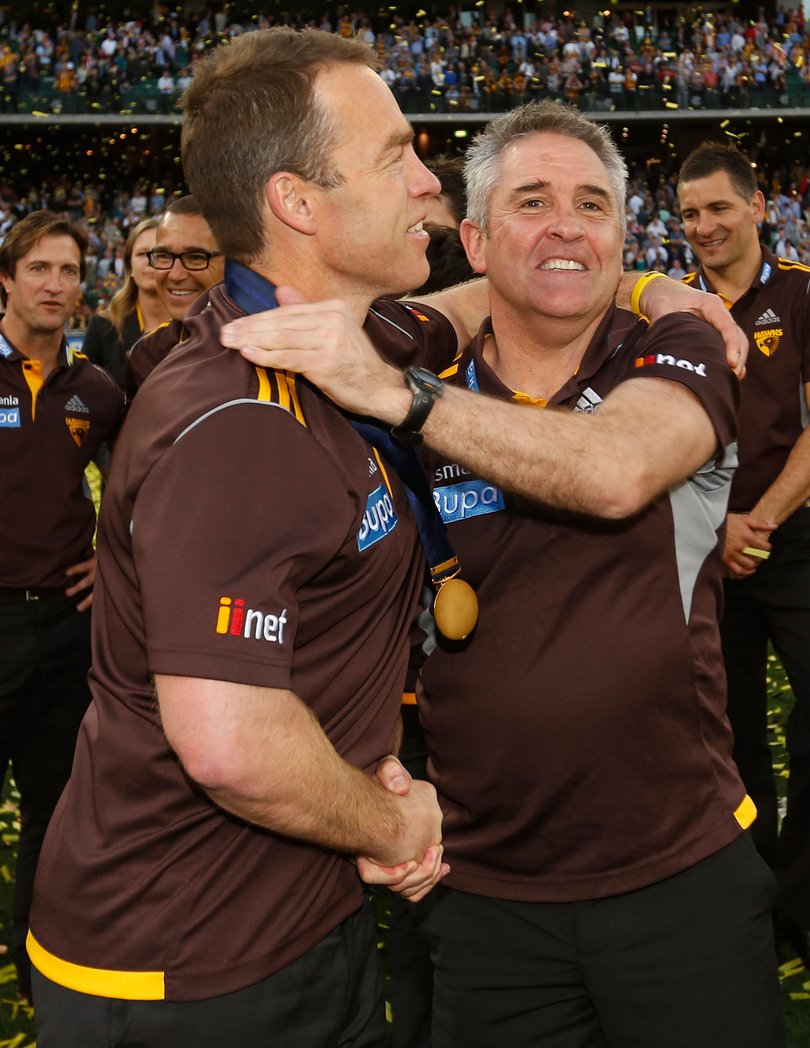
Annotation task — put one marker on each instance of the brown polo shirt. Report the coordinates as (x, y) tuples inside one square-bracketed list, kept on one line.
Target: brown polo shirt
[(249, 534), (775, 314), (50, 430), (578, 738)]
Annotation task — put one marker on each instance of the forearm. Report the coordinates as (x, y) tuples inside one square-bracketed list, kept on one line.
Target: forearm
[(791, 488), (271, 764), (610, 464), (624, 291)]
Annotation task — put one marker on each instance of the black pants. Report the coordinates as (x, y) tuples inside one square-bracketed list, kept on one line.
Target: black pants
[(332, 997), (44, 659), (687, 963), (772, 605)]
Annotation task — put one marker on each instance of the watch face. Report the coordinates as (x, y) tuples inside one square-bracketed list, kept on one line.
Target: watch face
[(424, 379)]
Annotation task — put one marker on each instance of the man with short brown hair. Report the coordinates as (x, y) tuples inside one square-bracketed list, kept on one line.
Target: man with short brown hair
[(57, 412)]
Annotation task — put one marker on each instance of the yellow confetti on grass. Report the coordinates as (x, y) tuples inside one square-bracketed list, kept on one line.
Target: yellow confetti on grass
[(790, 968), (8, 974), (17, 1042), (5, 873)]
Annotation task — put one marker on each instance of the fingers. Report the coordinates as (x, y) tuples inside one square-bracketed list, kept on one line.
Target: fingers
[(393, 776), (410, 880)]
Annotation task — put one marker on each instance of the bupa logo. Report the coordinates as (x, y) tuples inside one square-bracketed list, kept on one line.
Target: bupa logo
[(379, 520), (9, 412), (670, 361), (235, 619), (471, 498)]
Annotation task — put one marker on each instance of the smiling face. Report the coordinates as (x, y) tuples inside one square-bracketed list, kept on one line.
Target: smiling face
[(44, 289), (719, 223), (553, 245), (178, 287), (369, 228)]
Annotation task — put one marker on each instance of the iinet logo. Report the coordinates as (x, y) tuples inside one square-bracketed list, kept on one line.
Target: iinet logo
[(235, 619), (670, 361)]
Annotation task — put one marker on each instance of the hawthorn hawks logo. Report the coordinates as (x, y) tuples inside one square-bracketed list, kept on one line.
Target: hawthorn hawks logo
[(768, 341), (79, 428)]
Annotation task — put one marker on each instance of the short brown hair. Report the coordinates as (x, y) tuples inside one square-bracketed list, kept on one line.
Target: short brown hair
[(24, 234), (251, 111), (711, 157)]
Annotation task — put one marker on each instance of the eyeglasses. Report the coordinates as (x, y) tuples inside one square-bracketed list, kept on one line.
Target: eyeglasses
[(191, 260)]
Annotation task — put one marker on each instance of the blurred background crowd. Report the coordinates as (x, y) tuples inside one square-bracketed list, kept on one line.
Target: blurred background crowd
[(456, 60)]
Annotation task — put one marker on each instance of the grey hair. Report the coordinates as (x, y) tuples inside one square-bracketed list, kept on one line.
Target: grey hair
[(482, 167)]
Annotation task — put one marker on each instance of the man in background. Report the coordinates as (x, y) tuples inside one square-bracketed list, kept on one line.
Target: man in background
[(58, 412), (767, 547), (186, 262)]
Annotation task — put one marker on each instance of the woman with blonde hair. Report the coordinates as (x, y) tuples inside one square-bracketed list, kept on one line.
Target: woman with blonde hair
[(134, 309)]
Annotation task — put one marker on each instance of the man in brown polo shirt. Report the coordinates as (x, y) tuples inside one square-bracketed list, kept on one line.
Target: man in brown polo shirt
[(602, 890), (186, 262), (57, 411), (767, 550)]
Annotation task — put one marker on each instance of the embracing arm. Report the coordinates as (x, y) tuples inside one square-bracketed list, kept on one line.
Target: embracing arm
[(466, 305), (648, 435), (261, 754)]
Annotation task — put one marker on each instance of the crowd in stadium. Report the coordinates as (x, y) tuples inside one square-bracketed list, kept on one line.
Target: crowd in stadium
[(459, 62)]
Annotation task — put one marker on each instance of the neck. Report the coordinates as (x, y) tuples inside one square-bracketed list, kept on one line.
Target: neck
[(533, 363), (315, 283), (43, 346), (733, 280), (152, 310)]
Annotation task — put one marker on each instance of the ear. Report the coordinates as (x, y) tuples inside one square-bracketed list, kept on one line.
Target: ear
[(758, 206), (474, 242), (289, 197)]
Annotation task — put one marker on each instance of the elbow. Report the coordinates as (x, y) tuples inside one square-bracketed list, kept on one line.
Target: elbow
[(627, 495), (211, 763)]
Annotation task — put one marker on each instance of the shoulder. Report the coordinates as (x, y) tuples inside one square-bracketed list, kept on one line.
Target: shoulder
[(93, 379), (411, 332)]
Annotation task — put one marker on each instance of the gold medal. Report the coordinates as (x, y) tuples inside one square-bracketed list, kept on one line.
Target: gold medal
[(455, 609)]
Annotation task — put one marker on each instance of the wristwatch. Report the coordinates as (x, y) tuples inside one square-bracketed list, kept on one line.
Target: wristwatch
[(426, 389)]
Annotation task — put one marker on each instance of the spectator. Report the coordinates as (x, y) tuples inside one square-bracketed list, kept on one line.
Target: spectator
[(134, 309)]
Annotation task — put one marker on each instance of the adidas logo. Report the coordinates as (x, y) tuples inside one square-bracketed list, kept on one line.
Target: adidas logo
[(768, 317), (77, 405), (588, 402)]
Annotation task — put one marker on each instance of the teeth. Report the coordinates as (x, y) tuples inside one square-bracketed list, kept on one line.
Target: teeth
[(563, 263), (415, 229)]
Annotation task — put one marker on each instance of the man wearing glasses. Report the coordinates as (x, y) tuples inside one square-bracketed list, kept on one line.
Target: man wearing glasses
[(186, 263)]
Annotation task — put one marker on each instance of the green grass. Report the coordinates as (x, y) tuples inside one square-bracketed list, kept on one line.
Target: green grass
[(16, 1020)]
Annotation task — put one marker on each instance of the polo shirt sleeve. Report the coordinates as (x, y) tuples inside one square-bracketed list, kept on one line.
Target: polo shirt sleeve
[(409, 333), (683, 348), (242, 510)]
